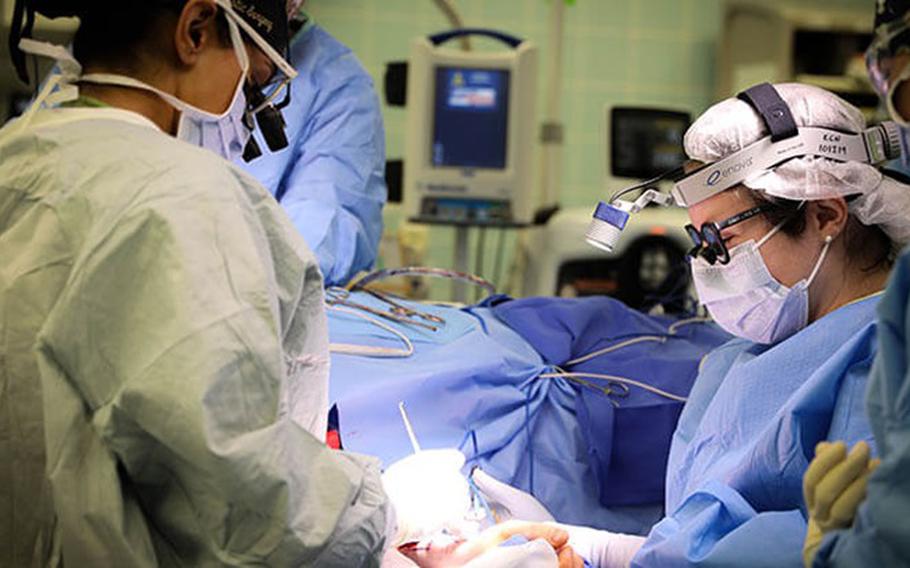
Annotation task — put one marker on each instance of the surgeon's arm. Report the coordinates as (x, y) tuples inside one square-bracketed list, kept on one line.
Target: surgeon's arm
[(718, 523), (879, 535), (162, 370), (335, 189)]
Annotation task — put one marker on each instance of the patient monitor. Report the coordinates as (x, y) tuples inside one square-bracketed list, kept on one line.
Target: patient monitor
[(471, 126)]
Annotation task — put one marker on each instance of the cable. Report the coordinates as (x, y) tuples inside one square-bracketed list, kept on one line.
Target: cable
[(669, 174), (500, 256), (621, 380), (680, 323), (478, 257), (455, 21), (384, 273), (671, 330), (371, 350), (620, 345)]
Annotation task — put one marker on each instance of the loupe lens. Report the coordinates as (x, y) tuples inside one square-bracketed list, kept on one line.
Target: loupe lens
[(714, 245), (271, 124)]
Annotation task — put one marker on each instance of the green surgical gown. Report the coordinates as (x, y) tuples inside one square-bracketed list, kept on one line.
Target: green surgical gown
[(160, 320)]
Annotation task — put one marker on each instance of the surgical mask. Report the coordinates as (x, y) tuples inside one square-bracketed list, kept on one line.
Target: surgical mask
[(746, 300), (227, 134)]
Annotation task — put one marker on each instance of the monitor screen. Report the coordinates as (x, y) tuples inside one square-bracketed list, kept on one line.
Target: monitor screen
[(471, 118), (645, 143)]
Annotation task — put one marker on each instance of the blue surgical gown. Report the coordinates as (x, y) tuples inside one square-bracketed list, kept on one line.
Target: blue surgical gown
[(331, 177), (879, 535), (746, 436)]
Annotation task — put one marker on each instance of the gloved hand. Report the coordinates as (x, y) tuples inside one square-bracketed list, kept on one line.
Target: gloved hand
[(507, 502), (603, 549), (429, 494), (599, 548), (834, 486), (481, 551)]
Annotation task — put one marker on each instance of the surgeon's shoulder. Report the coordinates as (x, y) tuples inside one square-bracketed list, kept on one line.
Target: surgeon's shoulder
[(723, 356), (111, 162), (325, 59)]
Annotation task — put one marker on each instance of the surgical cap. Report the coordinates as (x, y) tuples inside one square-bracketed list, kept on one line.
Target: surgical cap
[(732, 124)]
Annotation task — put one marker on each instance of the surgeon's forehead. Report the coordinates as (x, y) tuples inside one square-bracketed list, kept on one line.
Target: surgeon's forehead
[(721, 206)]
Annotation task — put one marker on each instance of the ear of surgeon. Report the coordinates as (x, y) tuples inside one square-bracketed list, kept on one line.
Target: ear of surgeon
[(791, 258), (194, 60)]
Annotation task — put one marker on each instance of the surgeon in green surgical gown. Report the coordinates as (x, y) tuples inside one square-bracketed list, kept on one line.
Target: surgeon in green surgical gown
[(158, 314)]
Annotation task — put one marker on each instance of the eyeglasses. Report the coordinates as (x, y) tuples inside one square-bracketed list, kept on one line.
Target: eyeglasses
[(278, 88), (709, 244)]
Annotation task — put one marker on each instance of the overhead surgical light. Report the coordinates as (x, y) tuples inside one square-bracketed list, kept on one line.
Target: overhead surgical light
[(873, 146)]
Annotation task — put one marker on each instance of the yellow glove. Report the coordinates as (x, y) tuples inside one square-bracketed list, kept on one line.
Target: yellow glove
[(834, 486)]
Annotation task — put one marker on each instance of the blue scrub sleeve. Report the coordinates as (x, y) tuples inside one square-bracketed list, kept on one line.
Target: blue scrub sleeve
[(717, 525), (335, 190), (879, 535)]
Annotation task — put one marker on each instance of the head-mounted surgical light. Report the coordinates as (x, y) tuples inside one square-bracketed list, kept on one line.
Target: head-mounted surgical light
[(785, 142), (610, 218)]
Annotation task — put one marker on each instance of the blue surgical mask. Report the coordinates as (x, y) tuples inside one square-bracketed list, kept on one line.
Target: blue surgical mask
[(746, 300)]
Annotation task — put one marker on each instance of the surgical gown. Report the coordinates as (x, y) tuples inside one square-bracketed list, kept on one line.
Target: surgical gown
[(160, 320), (331, 177), (879, 535), (746, 436)]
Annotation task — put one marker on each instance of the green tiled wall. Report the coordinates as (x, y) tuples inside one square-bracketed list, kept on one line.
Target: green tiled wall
[(639, 52)]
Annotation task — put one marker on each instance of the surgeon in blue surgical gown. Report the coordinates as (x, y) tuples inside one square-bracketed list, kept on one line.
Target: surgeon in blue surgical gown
[(810, 245), (330, 180), (761, 403)]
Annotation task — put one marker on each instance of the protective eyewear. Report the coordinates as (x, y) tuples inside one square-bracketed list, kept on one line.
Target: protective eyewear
[(281, 64), (276, 90), (708, 241), (890, 40), (260, 102)]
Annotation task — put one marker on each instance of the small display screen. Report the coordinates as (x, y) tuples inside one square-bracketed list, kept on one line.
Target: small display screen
[(471, 118), (645, 143)]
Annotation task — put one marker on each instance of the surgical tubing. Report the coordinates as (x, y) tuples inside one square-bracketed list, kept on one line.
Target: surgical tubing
[(371, 350), (620, 345), (672, 329), (621, 380), (641, 339)]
